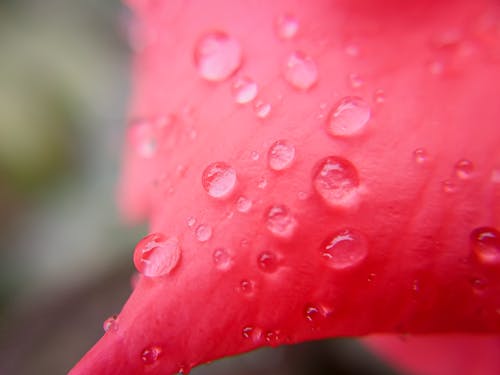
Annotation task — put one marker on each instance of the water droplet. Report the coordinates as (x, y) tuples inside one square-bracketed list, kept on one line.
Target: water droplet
[(281, 155), (312, 313), (262, 109), (151, 355), (203, 232), (478, 285), (449, 186), (371, 277), (420, 155), (262, 183), (272, 338), (464, 169), (219, 180), (254, 155), (355, 80), (244, 90), (191, 221), (280, 221), (253, 333), (222, 259), (157, 255), (344, 249), (301, 71), (217, 56), (142, 136), (286, 26), (349, 117), (336, 181), (243, 204), (379, 96), (246, 286), (267, 261), (485, 243), (110, 324)]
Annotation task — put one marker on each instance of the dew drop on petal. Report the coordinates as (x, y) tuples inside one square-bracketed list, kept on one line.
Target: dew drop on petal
[(420, 156), (267, 261), (191, 221), (355, 80), (485, 243), (449, 187), (336, 181), (244, 90), (301, 71), (151, 355), (217, 56), (157, 255), (281, 155), (222, 259), (312, 313), (219, 180), (379, 96), (254, 155), (286, 26), (464, 169), (243, 204), (344, 249), (280, 221), (246, 286), (110, 324), (142, 136), (203, 232), (262, 183), (262, 109), (349, 117)]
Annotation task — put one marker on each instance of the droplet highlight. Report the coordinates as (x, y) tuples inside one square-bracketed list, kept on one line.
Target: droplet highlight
[(336, 181), (344, 249), (464, 169), (243, 204), (281, 155), (262, 109), (151, 355), (219, 180), (287, 26), (485, 243), (222, 259), (244, 90), (349, 117), (420, 156), (300, 71), (280, 221), (267, 261), (217, 56), (203, 232), (143, 137), (110, 324), (157, 255)]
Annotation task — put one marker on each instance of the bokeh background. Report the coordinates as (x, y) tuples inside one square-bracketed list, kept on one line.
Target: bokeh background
[(65, 256)]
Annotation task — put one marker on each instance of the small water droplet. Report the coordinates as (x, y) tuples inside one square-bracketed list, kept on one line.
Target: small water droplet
[(246, 286), (143, 136), (371, 277), (420, 155), (301, 71), (485, 243), (151, 355), (191, 221), (349, 117), (478, 285), (110, 324), (252, 333), (219, 180), (281, 155), (355, 80), (243, 204), (464, 169), (217, 56), (344, 249), (254, 155), (222, 259), (280, 221), (286, 26), (203, 232), (262, 109), (416, 286), (352, 50), (244, 90), (312, 313), (336, 181), (272, 338), (157, 255), (267, 261), (449, 186), (379, 96), (262, 183)]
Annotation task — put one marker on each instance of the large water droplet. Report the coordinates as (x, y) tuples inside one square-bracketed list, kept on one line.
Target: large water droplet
[(485, 243), (203, 232), (157, 255), (151, 355), (336, 181), (349, 117), (244, 90), (280, 221), (217, 56), (243, 204), (286, 26), (222, 259), (110, 324), (344, 249), (301, 71), (464, 169), (219, 180), (281, 155), (262, 109), (267, 261)]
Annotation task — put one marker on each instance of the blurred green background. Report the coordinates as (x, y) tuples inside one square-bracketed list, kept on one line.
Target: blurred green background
[(65, 258)]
